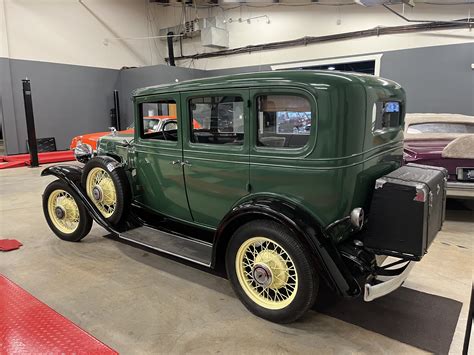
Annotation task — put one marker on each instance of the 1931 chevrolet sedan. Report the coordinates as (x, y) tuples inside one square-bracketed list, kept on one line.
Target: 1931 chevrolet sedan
[(290, 178)]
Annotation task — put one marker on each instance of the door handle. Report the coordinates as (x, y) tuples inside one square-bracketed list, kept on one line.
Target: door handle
[(186, 163), (174, 162)]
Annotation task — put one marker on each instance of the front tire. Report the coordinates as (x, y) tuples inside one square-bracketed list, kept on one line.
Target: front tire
[(66, 215), (271, 271)]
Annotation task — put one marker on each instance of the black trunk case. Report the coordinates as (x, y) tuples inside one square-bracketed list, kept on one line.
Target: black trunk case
[(407, 211)]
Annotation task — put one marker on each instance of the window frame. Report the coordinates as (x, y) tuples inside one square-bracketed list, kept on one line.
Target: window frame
[(377, 58), (377, 132), (140, 134), (191, 119), (189, 144), (283, 91)]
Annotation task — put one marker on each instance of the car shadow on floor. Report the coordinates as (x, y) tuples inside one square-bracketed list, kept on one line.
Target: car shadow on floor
[(412, 317)]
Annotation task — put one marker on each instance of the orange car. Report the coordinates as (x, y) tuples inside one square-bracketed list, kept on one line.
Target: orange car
[(154, 123)]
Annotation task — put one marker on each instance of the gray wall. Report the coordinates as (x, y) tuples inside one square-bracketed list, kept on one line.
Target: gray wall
[(436, 79), (7, 108), (250, 69), (67, 100), (133, 78)]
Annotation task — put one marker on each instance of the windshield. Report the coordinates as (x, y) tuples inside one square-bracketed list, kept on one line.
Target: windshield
[(441, 127)]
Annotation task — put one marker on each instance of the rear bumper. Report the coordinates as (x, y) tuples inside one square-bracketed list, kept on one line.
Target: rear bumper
[(460, 189), (388, 284)]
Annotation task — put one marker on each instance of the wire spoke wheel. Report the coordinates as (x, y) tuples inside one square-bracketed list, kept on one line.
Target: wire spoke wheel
[(63, 211), (266, 273), (101, 190)]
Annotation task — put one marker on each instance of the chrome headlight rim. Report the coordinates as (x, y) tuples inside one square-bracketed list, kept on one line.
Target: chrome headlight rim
[(83, 152)]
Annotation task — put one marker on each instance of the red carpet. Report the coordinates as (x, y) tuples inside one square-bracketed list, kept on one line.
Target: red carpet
[(15, 161), (28, 326)]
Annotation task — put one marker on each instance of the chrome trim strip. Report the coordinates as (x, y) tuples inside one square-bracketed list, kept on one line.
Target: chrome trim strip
[(461, 185), (460, 189)]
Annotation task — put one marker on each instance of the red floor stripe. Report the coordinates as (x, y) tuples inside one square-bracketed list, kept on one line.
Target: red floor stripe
[(28, 326)]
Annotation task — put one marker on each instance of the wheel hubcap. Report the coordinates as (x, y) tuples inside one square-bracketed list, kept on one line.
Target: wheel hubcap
[(97, 193), (262, 275), (59, 212), (63, 211), (266, 273)]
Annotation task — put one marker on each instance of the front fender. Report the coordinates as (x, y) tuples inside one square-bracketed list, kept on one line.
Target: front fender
[(305, 226), (71, 175)]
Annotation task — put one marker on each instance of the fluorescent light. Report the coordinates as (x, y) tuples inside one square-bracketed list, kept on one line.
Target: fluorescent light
[(331, 68)]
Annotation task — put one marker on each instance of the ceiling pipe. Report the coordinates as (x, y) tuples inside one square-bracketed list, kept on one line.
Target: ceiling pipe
[(425, 21), (377, 31), (170, 49)]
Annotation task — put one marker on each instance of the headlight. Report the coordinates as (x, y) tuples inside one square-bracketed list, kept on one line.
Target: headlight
[(83, 152)]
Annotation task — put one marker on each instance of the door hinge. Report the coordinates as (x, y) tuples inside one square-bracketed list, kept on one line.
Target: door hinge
[(249, 187)]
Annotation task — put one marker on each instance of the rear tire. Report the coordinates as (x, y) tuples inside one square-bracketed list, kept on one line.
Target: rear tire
[(66, 215), (107, 187), (271, 271)]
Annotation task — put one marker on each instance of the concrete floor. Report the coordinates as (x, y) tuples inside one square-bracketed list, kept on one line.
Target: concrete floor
[(141, 303)]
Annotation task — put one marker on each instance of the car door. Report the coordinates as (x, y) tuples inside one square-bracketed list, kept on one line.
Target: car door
[(215, 151), (158, 149), (283, 135)]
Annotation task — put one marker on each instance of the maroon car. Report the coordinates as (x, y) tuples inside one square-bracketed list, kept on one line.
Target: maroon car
[(445, 140)]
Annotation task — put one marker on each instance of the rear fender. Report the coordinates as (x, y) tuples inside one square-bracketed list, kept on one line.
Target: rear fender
[(304, 225), (71, 175)]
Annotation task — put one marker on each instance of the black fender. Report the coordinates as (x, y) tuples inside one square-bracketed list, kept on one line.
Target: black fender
[(71, 175), (113, 162), (305, 226)]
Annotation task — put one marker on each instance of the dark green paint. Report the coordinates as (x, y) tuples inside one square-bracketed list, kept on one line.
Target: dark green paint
[(331, 175)]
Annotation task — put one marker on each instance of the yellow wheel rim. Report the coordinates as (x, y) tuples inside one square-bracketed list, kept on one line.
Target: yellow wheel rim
[(101, 190), (63, 211), (266, 273)]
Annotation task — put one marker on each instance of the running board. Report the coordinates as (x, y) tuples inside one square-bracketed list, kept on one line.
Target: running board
[(186, 248)]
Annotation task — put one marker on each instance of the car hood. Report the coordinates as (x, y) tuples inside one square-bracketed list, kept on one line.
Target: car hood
[(128, 133), (92, 138), (118, 137)]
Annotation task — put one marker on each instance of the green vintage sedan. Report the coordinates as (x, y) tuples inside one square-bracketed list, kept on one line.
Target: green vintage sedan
[(275, 183)]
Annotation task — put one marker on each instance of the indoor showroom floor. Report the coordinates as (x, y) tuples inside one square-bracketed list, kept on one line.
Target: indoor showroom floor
[(137, 301)]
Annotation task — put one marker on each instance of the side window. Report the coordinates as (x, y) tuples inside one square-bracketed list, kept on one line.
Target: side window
[(283, 121), (159, 120), (386, 115), (217, 120)]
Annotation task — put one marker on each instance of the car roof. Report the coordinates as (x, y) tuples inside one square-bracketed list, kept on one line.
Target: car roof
[(313, 78), (420, 118), (414, 118)]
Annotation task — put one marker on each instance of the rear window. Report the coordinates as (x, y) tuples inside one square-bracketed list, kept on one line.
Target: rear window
[(386, 115), (440, 127), (284, 121)]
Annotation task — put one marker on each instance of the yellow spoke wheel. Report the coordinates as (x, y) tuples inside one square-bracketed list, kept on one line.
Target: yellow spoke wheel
[(101, 190), (266, 273), (63, 211)]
